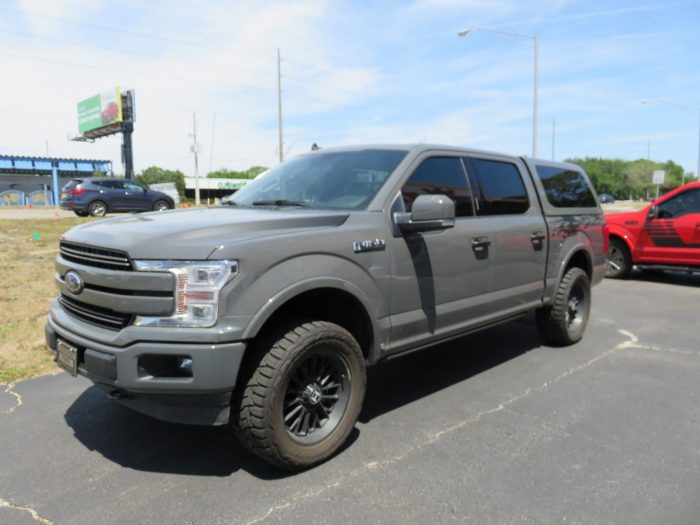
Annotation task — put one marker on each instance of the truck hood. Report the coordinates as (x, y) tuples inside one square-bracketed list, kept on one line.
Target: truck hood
[(193, 234), (627, 217)]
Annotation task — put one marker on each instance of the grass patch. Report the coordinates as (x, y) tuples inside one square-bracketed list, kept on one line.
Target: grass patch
[(27, 273)]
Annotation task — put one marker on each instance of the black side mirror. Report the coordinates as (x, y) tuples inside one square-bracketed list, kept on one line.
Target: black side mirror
[(653, 213), (428, 213)]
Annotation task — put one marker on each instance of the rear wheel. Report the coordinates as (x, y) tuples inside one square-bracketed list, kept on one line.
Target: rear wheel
[(301, 398), (161, 206), (619, 259), (97, 209), (564, 321)]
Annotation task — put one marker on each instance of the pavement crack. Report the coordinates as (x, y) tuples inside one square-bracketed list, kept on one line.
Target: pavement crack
[(35, 515), (631, 342), (18, 398)]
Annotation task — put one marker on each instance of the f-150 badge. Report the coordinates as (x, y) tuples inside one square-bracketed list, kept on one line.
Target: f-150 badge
[(370, 245)]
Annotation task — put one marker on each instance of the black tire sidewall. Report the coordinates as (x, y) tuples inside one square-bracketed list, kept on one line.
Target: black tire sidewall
[(626, 266), (317, 452), (581, 279)]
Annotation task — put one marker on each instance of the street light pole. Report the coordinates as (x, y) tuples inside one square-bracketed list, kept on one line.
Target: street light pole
[(535, 89), (683, 106)]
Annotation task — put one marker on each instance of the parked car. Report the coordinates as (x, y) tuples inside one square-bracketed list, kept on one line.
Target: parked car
[(664, 235), (264, 314), (101, 195), (606, 198)]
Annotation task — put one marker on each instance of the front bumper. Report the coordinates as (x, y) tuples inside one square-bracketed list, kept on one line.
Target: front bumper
[(202, 398)]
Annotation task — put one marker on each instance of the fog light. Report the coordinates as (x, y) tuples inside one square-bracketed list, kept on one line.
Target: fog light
[(185, 364)]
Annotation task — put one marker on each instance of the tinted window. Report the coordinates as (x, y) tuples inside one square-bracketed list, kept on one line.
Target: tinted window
[(501, 190), (131, 186), (72, 184), (565, 188), (683, 204), (112, 184), (440, 176)]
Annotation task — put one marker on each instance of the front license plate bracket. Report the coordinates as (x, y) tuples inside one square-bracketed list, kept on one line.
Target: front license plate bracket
[(67, 357)]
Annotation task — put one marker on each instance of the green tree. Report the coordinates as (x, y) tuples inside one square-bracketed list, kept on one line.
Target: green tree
[(157, 175), (623, 178)]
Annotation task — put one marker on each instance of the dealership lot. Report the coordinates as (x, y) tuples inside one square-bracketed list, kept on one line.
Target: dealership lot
[(494, 427)]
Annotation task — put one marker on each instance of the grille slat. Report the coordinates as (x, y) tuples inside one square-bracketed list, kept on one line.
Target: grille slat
[(97, 257), (95, 314)]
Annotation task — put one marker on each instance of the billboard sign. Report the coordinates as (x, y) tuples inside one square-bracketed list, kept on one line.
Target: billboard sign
[(100, 111)]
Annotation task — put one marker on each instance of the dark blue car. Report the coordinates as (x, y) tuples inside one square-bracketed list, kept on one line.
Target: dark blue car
[(99, 196)]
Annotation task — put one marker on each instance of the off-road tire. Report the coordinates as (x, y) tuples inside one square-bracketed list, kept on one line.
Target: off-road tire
[(265, 382), (563, 322), (619, 260), (97, 209)]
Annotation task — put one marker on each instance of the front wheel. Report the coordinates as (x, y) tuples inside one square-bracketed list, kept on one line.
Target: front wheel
[(161, 206), (563, 322), (301, 399)]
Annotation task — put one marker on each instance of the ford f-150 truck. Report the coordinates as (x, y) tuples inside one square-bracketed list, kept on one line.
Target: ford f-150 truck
[(264, 313), (663, 236)]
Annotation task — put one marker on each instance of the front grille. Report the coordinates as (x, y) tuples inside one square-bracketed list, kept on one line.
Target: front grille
[(95, 314), (98, 257)]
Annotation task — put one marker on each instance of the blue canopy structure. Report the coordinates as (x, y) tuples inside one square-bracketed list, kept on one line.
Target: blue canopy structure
[(13, 168)]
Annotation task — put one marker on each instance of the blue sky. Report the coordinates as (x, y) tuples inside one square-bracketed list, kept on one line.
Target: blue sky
[(353, 72)]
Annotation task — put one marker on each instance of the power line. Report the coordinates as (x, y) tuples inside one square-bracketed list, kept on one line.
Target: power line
[(117, 70), (107, 28), (212, 65)]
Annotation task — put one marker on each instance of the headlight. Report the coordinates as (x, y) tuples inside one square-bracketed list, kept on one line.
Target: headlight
[(197, 287)]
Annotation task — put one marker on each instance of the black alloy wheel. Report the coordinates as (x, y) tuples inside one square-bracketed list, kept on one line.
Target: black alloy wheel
[(317, 396)]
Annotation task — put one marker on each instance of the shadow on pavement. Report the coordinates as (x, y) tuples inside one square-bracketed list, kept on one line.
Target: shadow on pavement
[(397, 382), (663, 277), (139, 442)]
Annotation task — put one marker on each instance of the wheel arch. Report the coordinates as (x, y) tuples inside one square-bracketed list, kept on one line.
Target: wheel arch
[(326, 299)]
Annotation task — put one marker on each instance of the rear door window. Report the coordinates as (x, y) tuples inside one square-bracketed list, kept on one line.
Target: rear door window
[(440, 176), (499, 188), (566, 188), (72, 184)]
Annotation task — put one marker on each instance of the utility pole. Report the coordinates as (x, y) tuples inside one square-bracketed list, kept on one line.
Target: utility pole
[(536, 82), (195, 149), (279, 105), (554, 132), (211, 149)]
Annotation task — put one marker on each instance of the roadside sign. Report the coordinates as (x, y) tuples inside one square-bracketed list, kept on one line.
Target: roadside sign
[(659, 177)]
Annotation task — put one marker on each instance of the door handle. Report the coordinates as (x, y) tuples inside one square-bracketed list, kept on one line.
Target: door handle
[(480, 243), (537, 237)]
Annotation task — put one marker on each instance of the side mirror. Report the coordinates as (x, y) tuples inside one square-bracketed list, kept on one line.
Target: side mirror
[(428, 213), (653, 213)]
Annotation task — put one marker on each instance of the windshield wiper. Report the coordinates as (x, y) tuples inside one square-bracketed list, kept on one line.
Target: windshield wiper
[(279, 202)]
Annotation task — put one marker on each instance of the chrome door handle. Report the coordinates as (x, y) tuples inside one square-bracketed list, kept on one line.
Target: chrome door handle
[(480, 243)]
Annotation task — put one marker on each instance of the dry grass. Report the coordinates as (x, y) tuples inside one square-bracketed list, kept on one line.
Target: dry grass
[(26, 274)]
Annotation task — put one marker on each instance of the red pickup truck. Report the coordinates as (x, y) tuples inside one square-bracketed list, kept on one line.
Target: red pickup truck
[(665, 235)]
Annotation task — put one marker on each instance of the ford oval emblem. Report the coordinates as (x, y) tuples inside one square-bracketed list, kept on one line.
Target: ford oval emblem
[(74, 282)]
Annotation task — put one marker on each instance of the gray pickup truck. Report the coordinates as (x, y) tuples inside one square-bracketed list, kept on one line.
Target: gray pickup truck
[(264, 313)]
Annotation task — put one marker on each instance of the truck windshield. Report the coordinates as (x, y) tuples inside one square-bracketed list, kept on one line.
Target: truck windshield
[(344, 180)]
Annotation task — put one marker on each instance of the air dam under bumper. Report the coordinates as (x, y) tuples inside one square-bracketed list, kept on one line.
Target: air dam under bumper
[(202, 399)]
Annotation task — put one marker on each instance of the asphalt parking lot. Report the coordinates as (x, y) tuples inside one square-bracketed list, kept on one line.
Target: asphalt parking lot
[(492, 428)]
